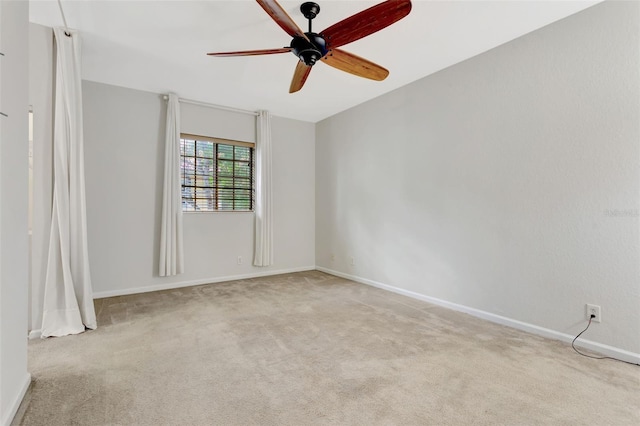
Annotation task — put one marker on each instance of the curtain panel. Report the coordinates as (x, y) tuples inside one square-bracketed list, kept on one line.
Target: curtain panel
[(171, 240), (263, 255), (68, 296)]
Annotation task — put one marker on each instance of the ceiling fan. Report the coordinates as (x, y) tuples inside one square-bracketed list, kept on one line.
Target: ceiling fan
[(310, 47)]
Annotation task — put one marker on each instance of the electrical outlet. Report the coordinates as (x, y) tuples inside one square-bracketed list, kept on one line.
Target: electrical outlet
[(333, 257), (239, 260), (594, 310), (352, 261)]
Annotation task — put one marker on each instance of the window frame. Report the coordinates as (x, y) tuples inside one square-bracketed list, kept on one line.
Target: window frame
[(220, 141)]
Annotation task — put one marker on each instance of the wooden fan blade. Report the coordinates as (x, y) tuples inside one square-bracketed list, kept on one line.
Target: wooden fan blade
[(282, 18), (355, 65), (299, 77), (366, 22), (252, 52)]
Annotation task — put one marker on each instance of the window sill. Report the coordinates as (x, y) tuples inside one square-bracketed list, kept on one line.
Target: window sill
[(218, 211)]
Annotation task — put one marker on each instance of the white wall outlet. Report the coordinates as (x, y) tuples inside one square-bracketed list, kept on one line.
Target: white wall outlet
[(333, 257), (352, 261), (594, 310), (239, 260)]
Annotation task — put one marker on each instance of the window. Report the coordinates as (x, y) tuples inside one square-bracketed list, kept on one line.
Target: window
[(216, 174)]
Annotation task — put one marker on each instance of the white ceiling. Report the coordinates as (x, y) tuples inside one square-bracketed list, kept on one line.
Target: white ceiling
[(160, 46)]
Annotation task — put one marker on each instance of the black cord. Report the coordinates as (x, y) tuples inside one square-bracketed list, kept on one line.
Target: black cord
[(591, 356)]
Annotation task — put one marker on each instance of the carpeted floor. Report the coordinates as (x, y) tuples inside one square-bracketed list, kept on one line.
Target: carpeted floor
[(309, 348)]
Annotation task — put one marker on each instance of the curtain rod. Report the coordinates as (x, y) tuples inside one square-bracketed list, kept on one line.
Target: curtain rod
[(205, 104)]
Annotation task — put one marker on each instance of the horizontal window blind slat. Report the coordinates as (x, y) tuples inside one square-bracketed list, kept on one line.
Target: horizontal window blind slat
[(216, 174), (217, 140)]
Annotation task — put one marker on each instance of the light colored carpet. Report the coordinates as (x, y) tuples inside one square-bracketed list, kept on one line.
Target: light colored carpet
[(309, 348)]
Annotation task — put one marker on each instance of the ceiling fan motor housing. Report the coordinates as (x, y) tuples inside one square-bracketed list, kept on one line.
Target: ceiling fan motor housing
[(310, 51)]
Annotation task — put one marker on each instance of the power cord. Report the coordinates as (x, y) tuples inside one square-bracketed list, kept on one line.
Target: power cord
[(591, 356)]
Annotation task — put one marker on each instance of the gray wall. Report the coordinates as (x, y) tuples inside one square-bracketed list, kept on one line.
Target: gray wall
[(507, 184), (124, 149), (14, 144)]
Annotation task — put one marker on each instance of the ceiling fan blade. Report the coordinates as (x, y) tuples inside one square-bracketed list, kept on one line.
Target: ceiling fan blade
[(299, 77), (281, 17), (366, 22), (355, 65), (252, 52)]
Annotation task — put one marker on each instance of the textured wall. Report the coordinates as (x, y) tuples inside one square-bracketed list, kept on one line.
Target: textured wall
[(508, 183)]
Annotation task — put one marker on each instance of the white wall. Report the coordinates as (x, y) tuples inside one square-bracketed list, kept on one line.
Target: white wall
[(124, 148), (41, 73), (14, 39), (494, 184)]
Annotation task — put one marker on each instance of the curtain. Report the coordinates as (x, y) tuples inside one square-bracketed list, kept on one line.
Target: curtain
[(68, 297), (171, 249), (263, 255)]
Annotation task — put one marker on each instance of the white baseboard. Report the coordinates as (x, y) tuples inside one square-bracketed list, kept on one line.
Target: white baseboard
[(15, 404), (173, 285), (530, 328)]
